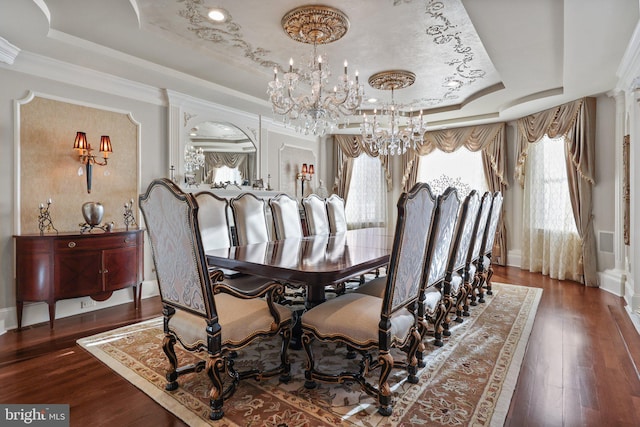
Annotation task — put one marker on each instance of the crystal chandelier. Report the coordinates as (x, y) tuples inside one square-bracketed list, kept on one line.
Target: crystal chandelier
[(193, 160), (392, 131), (316, 112)]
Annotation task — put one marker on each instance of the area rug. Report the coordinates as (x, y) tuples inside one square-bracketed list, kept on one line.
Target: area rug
[(468, 381)]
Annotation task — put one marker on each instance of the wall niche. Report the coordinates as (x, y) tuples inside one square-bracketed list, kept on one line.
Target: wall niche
[(49, 166)]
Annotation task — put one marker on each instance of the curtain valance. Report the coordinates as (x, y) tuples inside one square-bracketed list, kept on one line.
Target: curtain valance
[(489, 138), (566, 120), (230, 160)]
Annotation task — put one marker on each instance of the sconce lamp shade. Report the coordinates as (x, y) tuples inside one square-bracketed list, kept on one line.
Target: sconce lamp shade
[(105, 146), (304, 168), (311, 169), (81, 141)]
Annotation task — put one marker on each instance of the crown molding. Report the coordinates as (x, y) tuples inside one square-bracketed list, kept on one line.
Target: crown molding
[(8, 52), (64, 72), (629, 69)]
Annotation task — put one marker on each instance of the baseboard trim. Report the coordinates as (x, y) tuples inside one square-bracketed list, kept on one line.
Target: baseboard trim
[(38, 312), (514, 258), (613, 281)]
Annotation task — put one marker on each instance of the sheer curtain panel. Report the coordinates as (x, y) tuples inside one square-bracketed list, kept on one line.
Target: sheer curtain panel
[(550, 242)]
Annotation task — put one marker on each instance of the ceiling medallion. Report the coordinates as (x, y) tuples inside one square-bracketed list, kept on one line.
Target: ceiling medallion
[(315, 24), (392, 131), (317, 110), (394, 79)]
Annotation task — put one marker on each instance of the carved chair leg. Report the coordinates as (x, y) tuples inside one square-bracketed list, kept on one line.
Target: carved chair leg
[(448, 303), (468, 289), (412, 361), (488, 282), (384, 390), (422, 331), (285, 365), (309, 383), (172, 375), (439, 316), (214, 368)]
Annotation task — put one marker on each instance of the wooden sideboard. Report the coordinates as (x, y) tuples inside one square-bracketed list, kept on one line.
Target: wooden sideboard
[(52, 267)]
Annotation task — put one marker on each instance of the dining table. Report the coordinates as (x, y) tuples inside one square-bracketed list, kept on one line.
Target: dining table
[(314, 261)]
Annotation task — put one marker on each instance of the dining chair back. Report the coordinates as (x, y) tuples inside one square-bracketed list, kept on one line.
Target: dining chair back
[(454, 291), (336, 214), (433, 306), (315, 215), (286, 216), (213, 220), (485, 270), (470, 273), (250, 219), (367, 323), (200, 310)]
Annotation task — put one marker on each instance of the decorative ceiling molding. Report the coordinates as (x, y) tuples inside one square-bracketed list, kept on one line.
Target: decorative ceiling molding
[(315, 24), (391, 80), (8, 52)]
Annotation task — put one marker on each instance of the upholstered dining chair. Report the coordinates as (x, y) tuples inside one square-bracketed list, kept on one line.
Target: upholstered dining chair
[(431, 308), (250, 219), (454, 291), (201, 312), (470, 270), (336, 214), (366, 323), (213, 221), (485, 270), (287, 223), (286, 216), (315, 214)]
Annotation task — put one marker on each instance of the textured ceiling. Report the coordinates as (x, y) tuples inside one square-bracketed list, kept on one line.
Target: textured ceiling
[(475, 61)]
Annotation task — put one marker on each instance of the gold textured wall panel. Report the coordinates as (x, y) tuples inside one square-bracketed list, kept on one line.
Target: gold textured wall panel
[(49, 165)]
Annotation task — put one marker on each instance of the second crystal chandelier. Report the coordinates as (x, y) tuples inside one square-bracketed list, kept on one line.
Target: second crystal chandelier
[(319, 111), (393, 131)]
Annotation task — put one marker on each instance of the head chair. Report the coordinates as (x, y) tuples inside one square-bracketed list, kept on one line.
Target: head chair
[(201, 312)]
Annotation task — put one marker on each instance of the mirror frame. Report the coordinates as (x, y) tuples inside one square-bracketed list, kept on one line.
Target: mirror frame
[(186, 112)]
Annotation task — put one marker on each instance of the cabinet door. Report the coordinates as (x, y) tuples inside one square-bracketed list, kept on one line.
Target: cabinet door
[(77, 273), (120, 268)]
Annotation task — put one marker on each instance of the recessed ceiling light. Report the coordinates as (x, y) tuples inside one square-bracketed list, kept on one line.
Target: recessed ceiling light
[(217, 15), (372, 100)]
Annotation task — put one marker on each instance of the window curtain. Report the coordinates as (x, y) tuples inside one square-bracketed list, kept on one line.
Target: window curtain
[(576, 122), (491, 139), (231, 160), (550, 241), (349, 147)]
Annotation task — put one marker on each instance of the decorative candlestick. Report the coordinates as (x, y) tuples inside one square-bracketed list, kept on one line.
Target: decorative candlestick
[(129, 219), (44, 218)]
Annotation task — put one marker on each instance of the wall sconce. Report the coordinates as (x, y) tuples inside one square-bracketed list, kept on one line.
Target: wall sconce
[(306, 174), (84, 151)]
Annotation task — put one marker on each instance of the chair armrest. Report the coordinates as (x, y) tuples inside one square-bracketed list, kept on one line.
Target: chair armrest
[(272, 291)]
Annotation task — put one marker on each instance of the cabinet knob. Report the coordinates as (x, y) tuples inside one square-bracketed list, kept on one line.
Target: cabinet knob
[(71, 244)]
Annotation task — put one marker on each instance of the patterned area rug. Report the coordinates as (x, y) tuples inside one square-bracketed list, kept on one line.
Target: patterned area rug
[(468, 381)]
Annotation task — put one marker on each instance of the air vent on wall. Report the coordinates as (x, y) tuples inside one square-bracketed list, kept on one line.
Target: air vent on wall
[(605, 241)]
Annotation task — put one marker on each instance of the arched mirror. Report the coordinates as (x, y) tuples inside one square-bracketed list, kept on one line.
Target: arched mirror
[(223, 153)]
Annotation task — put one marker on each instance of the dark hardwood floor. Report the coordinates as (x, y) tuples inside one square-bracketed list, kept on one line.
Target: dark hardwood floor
[(580, 367)]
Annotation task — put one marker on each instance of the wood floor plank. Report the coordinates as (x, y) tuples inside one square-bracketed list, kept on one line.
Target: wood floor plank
[(579, 368)]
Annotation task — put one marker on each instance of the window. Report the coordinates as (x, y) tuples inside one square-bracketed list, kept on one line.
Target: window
[(550, 242), (366, 204), (461, 169), (226, 174)]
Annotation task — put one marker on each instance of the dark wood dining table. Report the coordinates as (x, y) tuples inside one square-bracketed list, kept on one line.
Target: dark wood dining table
[(315, 261)]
